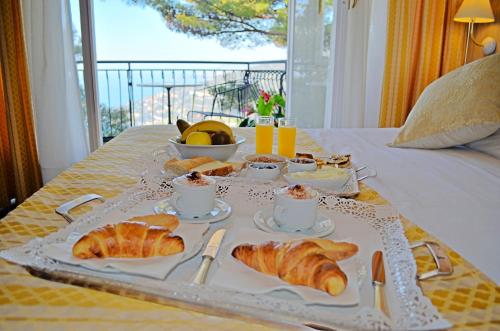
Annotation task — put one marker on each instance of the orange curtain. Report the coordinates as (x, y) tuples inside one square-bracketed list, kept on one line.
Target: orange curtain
[(20, 174), (423, 43)]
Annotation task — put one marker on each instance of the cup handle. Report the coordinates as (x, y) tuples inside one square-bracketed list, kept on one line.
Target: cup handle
[(174, 200), (278, 213)]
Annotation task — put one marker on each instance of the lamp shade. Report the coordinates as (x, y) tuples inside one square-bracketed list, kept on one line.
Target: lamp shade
[(476, 11)]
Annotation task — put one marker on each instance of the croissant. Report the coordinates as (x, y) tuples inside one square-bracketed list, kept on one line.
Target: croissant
[(303, 262), (169, 222), (336, 250), (128, 240)]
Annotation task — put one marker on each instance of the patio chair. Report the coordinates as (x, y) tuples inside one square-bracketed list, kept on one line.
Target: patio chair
[(229, 99)]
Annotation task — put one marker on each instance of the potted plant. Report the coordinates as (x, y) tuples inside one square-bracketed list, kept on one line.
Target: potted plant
[(266, 105)]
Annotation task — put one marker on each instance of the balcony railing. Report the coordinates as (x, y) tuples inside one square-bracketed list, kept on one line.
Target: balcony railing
[(159, 92)]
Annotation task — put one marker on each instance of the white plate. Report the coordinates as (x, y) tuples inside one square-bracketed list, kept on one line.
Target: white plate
[(323, 226), (221, 211), (349, 189), (235, 275), (155, 267)]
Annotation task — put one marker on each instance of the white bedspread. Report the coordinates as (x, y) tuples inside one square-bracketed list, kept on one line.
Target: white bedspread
[(453, 194)]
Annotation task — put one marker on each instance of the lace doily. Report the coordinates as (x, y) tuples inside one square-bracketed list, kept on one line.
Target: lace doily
[(410, 309)]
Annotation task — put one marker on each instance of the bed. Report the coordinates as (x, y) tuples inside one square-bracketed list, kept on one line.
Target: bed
[(452, 193), (29, 302)]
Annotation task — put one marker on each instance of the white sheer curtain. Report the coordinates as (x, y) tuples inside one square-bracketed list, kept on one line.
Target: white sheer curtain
[(356, 70), (61, 135), (309, 44), (335, 62)]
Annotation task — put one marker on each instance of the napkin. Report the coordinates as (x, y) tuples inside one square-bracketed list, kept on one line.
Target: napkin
[(235, 275), (155, 267)]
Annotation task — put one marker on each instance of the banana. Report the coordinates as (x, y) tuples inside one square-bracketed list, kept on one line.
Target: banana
[(182, 125), (209, 126)]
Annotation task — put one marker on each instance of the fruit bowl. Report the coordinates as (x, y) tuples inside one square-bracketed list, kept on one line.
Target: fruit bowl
[(217, 152)]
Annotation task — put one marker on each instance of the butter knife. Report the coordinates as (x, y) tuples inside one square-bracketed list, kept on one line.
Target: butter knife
[(378, 280), (209, 255)]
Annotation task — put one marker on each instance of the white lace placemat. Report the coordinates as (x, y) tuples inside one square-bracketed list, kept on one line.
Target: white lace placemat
[(371, 227)]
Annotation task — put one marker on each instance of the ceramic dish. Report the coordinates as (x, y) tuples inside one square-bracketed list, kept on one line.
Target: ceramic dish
[(221, 211), (323, 226), (301, 164), (217, 152), (265, 159), (263, 171), (348, 189)]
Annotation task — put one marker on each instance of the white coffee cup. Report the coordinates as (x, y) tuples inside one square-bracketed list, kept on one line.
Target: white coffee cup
[(193, 199), (301, 164), (294, 214)]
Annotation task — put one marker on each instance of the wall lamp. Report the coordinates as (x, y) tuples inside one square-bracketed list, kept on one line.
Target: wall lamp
[(476, 11)]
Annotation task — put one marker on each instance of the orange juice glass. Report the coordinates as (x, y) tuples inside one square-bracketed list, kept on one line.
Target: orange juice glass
[(264, 132), (287, 133)]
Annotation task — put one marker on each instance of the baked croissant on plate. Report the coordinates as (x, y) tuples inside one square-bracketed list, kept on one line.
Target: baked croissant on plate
[(306, 262), (169, 222), (128, 240)]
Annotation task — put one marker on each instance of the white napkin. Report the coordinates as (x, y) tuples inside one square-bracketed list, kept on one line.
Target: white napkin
[(235, 275), (156, 267)]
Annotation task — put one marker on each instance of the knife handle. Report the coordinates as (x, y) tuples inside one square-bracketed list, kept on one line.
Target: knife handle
[(380, 301), (201, 275)]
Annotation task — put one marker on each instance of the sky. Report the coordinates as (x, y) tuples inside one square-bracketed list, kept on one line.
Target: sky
[(128, 32)]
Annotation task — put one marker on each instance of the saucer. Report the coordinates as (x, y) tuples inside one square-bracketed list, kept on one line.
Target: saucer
[(323, 226), (221, 211)]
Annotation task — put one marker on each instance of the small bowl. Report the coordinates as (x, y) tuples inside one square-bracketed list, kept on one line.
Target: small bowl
[(266, 159), (301, 164), (267, 171), (217, 152)]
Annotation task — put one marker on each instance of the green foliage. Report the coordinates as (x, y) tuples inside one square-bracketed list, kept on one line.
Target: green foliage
[(247, 123), (264, 108), (234, 23), (114, 120), (268, 105)]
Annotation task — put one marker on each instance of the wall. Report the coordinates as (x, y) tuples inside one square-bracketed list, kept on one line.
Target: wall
[(486, 30)]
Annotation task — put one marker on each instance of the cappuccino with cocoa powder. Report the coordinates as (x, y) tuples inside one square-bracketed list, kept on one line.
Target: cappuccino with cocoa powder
[(194, 195), (194, 178), (295, 207), (300, 192)]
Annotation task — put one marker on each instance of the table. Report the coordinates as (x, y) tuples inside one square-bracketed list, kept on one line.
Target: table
[(468, 299), (169, 87)]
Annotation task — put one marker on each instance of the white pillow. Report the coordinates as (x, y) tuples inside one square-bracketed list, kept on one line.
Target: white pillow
[(489, 145), (458, 108)]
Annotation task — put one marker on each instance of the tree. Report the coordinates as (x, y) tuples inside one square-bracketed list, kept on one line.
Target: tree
[(234, 23)]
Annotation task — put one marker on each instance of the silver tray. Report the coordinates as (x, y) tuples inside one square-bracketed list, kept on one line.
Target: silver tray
[(410, 309)]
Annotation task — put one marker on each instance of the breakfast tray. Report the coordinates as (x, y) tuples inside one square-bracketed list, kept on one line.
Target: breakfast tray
[(410, 309)]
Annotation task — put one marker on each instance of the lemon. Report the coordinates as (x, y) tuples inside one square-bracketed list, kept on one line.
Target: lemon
[(199, 138)]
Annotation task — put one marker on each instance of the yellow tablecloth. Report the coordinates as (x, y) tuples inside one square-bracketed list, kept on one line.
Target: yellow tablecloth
[(468, 299)]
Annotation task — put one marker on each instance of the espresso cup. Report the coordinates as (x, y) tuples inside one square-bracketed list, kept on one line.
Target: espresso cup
[(294, 214), (193, 199), (301, 164)]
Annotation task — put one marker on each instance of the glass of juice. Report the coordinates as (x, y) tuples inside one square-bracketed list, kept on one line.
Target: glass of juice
[(287, 132), (264, 127)]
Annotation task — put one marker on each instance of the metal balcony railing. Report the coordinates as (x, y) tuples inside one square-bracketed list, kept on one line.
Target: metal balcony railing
[(158, 92)]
